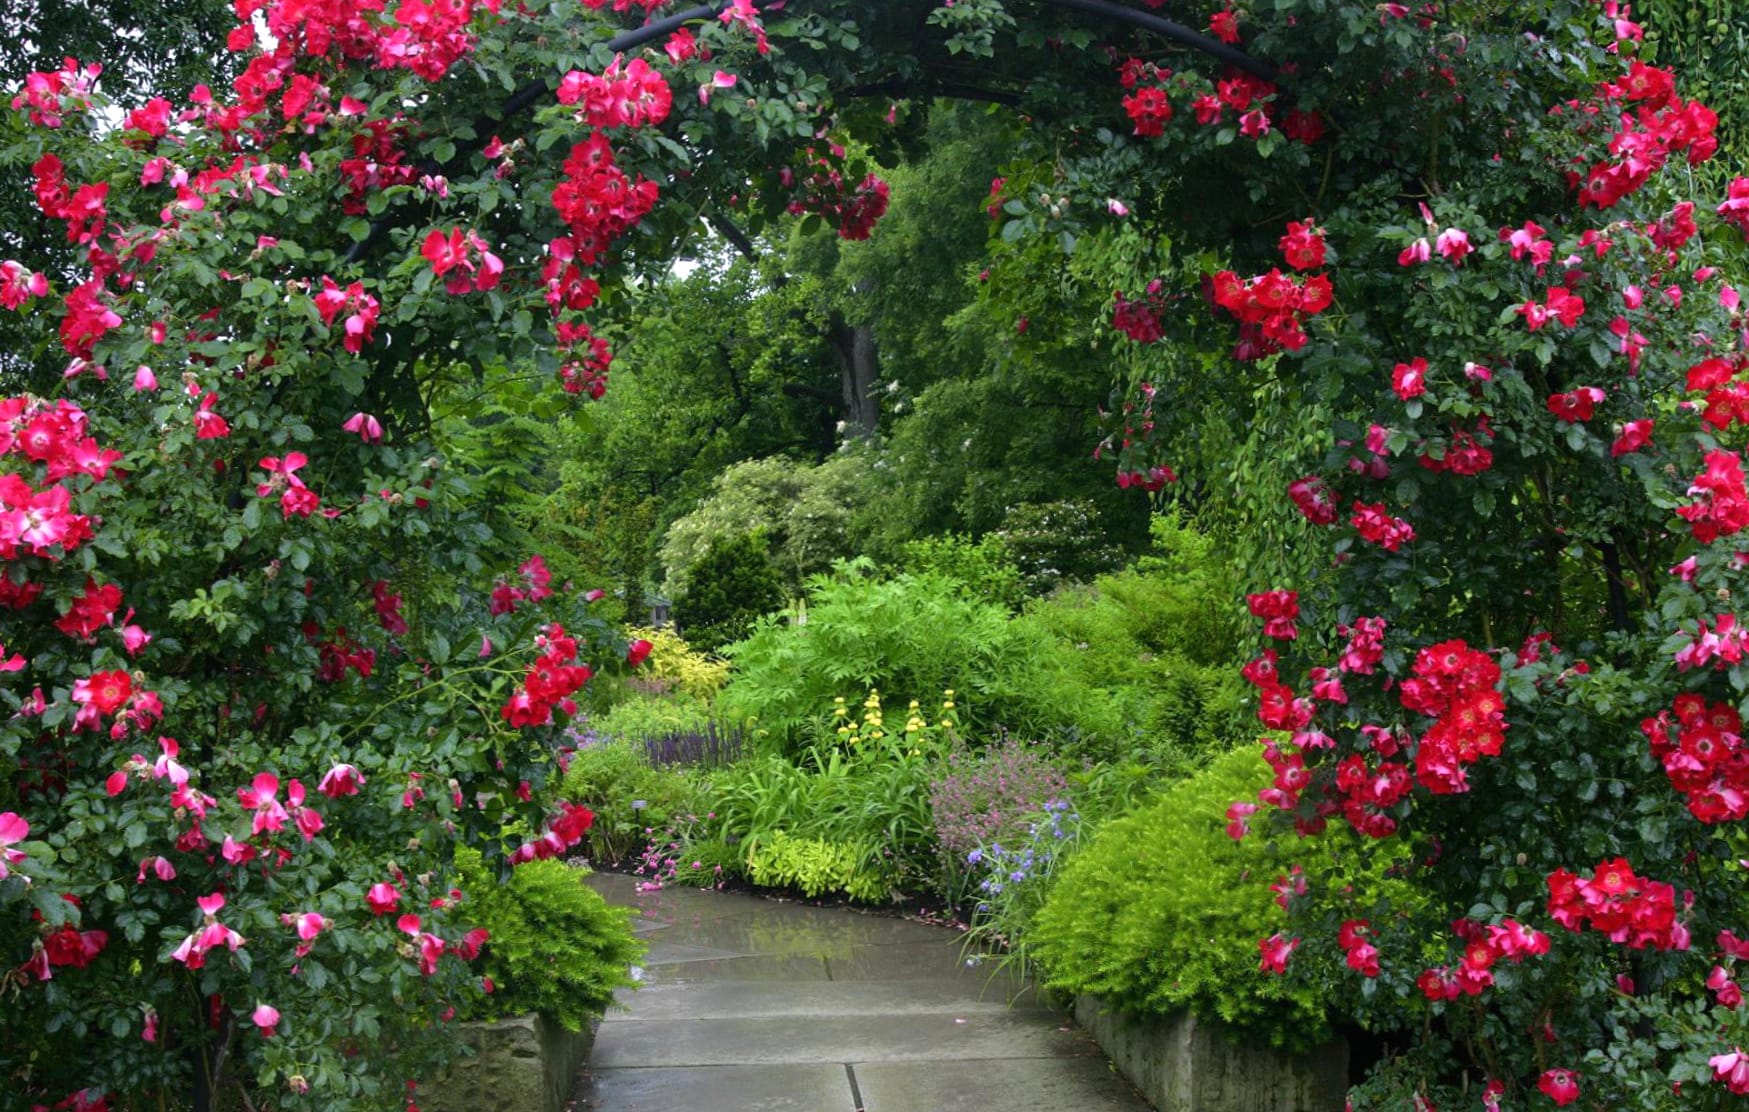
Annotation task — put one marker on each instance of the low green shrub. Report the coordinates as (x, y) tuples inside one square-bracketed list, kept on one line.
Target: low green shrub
[(555, 947), (816, 866), (985, 566), (638, 716), (631, 799), (1162, 910), (909, 636)]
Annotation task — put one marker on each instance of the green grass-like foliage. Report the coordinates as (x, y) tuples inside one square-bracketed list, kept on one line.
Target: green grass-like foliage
[(874, 803), (816, 866), (1163, 911), (557, 947)]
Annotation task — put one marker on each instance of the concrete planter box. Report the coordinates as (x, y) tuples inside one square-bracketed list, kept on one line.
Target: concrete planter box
[(1184, 1064), (525, 1064)]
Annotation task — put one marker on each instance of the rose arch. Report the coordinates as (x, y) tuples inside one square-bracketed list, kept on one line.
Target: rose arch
[(1466, 271)]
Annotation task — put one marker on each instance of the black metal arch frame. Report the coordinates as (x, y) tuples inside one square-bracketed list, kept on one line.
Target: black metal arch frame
[(534, 90)]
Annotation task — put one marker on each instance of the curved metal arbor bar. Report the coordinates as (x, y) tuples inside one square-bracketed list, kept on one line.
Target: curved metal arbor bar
[(532, 91)]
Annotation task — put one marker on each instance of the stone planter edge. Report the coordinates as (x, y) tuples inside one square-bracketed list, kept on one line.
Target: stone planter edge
[(1183, 1064), (524, 1063)]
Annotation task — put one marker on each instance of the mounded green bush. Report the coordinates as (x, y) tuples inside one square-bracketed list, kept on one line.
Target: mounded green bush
[(910, 637), (816, 866), (556, 946), (1163, 911), (731, 586), (613, 778)]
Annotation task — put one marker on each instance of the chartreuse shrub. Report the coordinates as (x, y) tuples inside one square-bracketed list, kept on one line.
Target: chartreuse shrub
[(815, 866), (556, 946), (675, 666), (1162, 911)]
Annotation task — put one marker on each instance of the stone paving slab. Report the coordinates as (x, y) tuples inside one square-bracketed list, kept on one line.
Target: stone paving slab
[(1007, 1084), (815, 1039), (757, 967), (734, 1000), (753, 1005), (791, 1088), (663, 952)]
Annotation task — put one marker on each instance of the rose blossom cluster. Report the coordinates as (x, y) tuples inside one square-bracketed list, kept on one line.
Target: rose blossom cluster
[(1484, 945), (1457, 685), (1631, 909), (1703, 755), (551, 681)]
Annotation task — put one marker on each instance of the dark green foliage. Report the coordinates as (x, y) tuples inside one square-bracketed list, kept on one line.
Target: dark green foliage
[(1160, 643), (730, 588), (557, 947), (1163, 911)]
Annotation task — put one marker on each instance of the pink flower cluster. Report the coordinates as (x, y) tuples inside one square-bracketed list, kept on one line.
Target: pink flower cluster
[(1312, 497), (852, 208), (212, 935), (563, 832), (1630, 909), (1376, 525), (361, 309), (1659, 125), (1139, 320), (596, 200), (48, 95), (1703, 755), (1721, 504), (551, 681), (536, 585), (1355, 938), (465, 258), (1369, 792), (1720, 643), (1457, 685), (295, 499), (636, 96), (1278, 609), (427, 36), (18, 285), (1271, 309), (1483, 947)]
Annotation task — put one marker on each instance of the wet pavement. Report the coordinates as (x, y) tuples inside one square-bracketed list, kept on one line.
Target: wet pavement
[(754, 1005)]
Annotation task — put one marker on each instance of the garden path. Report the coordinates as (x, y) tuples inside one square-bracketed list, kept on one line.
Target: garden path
[(752, 1005)]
